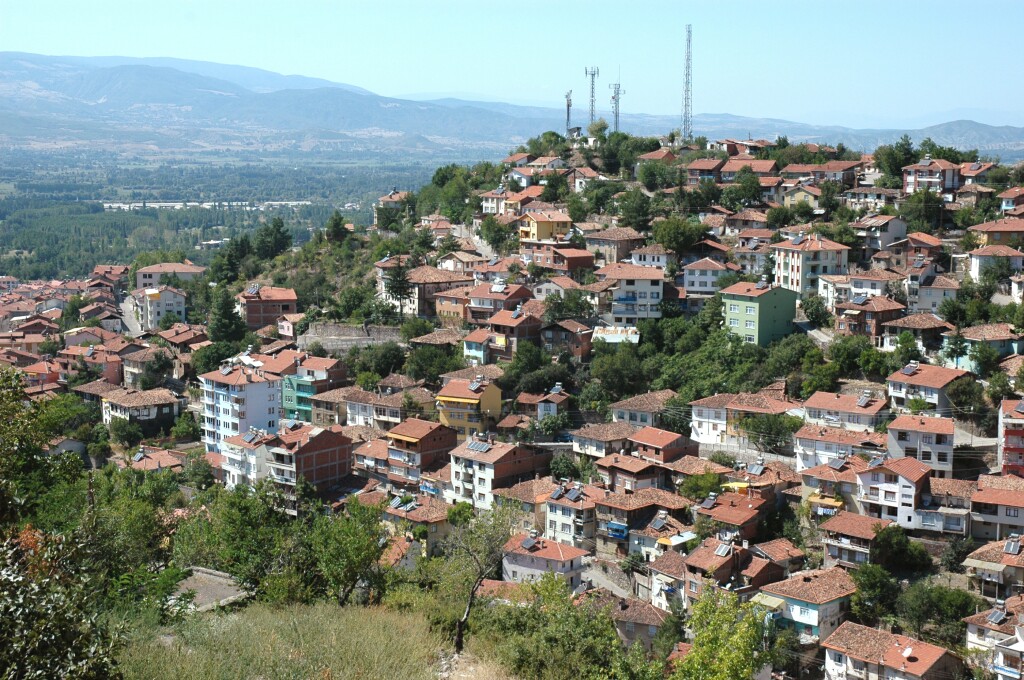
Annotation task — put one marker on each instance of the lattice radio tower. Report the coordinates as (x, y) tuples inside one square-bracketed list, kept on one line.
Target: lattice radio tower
[(592, 72), (568, 112), (688, 89), (617, 93)]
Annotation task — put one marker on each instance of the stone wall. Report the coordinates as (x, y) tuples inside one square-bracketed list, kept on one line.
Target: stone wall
[(341, 337)]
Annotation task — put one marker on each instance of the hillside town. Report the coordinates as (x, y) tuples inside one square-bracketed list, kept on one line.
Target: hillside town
[(863, 432)]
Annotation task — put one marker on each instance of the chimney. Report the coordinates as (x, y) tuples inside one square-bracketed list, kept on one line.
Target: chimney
[(746, 544), (623, 605)]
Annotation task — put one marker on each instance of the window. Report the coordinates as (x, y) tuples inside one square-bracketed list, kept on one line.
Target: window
[(693, 586), (734, 308), (749, 323), (804, 611), (749, 338), (901, 436), (750, 309), (734, 323), (1012, 512)]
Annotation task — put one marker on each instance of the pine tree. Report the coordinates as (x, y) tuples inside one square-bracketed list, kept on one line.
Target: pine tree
[(398, 286), (225, 324)]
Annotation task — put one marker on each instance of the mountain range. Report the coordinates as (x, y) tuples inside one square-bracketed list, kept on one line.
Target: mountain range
[(163, 106)]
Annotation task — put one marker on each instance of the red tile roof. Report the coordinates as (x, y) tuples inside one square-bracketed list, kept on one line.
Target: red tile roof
[(899, 652), (544, 549), (817, 586), (926, 375), (851, 524), (931, 425)]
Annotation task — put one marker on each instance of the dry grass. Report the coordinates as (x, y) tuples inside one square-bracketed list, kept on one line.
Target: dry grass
[(322, 642)]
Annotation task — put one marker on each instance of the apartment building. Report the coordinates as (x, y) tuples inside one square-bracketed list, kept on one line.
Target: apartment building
[(636, 292), (800, 261), (152, 304), (759, 313), (150, 276), (469, 406), (922, 381), (927, 439), (262, 305), (415, 446), (856, 651), (480, 466), (237, 399)]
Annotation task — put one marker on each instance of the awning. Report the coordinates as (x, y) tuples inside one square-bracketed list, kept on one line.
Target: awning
[(768, 601), (825, 500), (737, 485)]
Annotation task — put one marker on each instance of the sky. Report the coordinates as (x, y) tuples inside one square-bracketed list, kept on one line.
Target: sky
[(875, 63)]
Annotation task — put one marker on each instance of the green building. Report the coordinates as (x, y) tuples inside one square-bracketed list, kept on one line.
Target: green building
[(312, 376), (758, 312)]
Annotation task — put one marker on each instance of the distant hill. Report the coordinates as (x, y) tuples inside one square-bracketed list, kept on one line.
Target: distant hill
[(163, 106)]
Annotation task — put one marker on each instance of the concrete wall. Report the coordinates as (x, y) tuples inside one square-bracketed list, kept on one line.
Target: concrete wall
[(338, 337)]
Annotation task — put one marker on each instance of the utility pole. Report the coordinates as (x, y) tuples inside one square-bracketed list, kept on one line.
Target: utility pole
[(617, 93), (688, 89), (568, 112), (592, 72)]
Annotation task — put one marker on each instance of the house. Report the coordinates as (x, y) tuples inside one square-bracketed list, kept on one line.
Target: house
[(312, 375), (892, 489), (493, 202), (760, 313), (870, 198), (150, 276), (760, 168), (487, 299), (531, 497), (643, 409), (300, 452), (556, 284), (624, 473), (388, 205), (927, 439), (932, 291), (704, 169), (865, 316), (751, 251), (700, 280), (727, 567), (661, 446), (747, 218), (832, 487), (926, 328), (916, 246), (946, 506), (262, 305), (980, 259), (879, 232), (668, 580), (480, 466), (935, 175), (153, 410), (847, 538), (569, 336), (862, 411), (970, 195), (599, 440), (663, 533), (735, 514), (544, 226), (636, 294), (618, 514), (460, 262), (814, 602), (801, 193), (655, 255), (426, 283), (426, 515), (993, 633), (540, 406), (717, 419), (614, 244), (996, 507), (856, 651), (152, 304), (469, 406), (1001, 337), (800, 260), (237, 399), (528, 557), (518, 160), (996, 569), (1010, 445), (637, 622), (1011, 199), (821, 445), (571, 514), (922, 381), (413, 447)]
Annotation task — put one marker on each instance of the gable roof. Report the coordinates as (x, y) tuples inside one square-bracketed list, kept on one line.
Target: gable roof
[(817, 586), (874, 646), (852, 524)]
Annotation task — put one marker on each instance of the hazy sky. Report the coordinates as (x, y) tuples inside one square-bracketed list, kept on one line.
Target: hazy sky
[(867, 64)]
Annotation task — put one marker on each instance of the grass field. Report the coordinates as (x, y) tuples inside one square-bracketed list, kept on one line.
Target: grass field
[(299, 642)]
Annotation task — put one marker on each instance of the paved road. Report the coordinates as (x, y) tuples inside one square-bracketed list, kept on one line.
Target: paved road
[(132, 327)]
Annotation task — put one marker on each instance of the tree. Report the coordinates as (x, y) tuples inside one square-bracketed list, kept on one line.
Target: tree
[(125, 432), (414, 328), (956, 345), (186, 427), (697, 487), (876, 594), (967, 396), (815, 311), (563, 467), (999, 387), (501, 237), (168, 320), (348, 548), (475, 551), (829, 198), (573, 305), (728, 641), (460, 514), (925, 605), (620, 371), (770, 432), (271, 239), (398, 286), (206, 359), (955, 552), (428, 362), (985, 358), (335, 230), (198, 473), (779, 217), (845, 352), (679, 235), (225, 324), (892, 158), (893, 550), (635, 210)]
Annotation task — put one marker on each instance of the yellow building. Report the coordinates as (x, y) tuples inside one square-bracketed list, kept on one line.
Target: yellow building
[(469, 406), (802, 194), (544, 226)]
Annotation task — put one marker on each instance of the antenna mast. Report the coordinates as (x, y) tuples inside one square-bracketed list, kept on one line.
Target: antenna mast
[(617, 93), (688, 89), (568, 112), (592, 72)]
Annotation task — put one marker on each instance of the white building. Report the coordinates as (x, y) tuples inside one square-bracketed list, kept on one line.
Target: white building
[(152, 304), (237, 399), (701, 277), (922, 381), (149, 277), (980, 259), (528, 557), (929, 440), (856, 651), (708, 422), (636, 294), (816, 445), (801, 260), (891, 488), (863, 411)]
